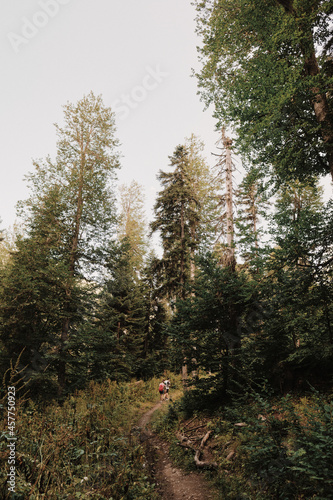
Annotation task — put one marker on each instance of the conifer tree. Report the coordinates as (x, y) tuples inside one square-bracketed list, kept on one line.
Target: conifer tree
[(122, 318), (224, 186), (293, 334), (132, 221), (252, 207), (69, 217), (202, 230), (295, 340), (156, 347), (33, 295), (176, 217), (204, 325)]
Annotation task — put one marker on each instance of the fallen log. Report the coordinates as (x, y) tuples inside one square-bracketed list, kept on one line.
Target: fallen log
[(203, 464), (186, 443)]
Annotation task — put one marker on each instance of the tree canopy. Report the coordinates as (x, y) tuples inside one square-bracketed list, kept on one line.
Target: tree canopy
[(267, 69)]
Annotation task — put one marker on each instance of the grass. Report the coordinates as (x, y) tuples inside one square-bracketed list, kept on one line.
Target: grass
[(86, 448), (89, 447)]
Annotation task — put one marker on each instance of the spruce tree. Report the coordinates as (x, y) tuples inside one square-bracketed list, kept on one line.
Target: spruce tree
[(176, 217), (203, 186), (156, 347), (204, 325), (122, 318), (293, 339), (252, 209)]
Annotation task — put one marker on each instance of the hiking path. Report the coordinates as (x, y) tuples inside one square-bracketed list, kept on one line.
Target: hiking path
[(172, 483)]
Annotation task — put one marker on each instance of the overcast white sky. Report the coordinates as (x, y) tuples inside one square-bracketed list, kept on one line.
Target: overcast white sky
[(137, 53)]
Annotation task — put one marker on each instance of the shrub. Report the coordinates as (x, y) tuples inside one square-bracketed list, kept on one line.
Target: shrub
[(84, 448)]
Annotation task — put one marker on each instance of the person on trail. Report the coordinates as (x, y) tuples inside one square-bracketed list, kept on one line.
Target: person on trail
[(161, 388), (167, 387)]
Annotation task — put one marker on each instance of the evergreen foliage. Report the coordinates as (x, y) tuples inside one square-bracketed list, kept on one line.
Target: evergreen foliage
[(156, 342), (176, 218), (122, 318), (207, 324), (81, 302), (68, 218), (132, 222), (252, 205)]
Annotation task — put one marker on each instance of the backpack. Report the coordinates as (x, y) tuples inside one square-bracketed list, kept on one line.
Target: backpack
[(161, 387)]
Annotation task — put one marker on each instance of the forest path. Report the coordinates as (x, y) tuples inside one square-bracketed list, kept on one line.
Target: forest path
[(172, 483)]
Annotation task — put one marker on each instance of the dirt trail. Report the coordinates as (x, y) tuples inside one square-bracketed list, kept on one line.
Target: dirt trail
[(172, 483)]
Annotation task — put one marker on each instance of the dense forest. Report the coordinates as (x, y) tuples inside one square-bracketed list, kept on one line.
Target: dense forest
[(236, 301)]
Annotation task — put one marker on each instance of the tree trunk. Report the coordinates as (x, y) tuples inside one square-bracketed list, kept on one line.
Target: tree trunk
[(71, 268), (231, 261), (62, 362), (182, 251), (184, 375), (254, 216), (229, 201), (319, 99), (182, 281)]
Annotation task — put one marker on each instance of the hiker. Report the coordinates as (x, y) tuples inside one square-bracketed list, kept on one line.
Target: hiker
[(161, 388), (167, 387)]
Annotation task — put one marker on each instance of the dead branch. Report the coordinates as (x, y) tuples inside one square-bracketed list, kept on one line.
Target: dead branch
[(205, 439), (190, 421), (231, 455), (195, 428), (186, 443), (203, 464)]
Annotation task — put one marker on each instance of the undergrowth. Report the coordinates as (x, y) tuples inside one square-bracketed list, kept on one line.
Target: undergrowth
[(87, 448), (266, 447)]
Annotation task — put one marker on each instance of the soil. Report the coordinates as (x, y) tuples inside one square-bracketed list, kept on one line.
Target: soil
[(172, 483)]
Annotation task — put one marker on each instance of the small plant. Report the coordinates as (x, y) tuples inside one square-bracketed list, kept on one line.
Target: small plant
[(84, 448), (284, 448), (265, 446)]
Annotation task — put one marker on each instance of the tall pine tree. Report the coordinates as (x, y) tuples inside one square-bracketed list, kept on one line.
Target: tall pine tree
[(69, 217), (176, 219)]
